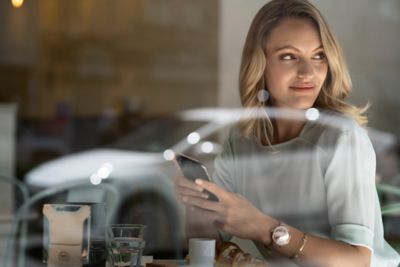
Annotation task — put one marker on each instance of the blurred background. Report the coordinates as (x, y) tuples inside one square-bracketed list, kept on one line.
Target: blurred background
[(78, 74)]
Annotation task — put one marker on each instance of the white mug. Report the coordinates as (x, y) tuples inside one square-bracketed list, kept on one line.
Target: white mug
[(201, 251)]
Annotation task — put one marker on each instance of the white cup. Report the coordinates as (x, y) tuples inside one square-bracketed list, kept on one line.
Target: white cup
[(201, 252)]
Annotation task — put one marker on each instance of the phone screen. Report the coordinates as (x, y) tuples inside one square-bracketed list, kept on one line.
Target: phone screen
[(192, 170)]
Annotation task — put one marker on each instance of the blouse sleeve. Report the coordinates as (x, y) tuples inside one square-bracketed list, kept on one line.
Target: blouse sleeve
[(350, 187)]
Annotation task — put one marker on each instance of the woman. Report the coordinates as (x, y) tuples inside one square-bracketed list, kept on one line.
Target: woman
[(318, 208)]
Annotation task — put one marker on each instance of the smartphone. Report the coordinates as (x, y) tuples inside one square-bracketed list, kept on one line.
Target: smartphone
[(192, 170)]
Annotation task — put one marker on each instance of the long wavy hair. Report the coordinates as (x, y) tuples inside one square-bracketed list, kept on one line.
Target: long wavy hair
[(335, 89)]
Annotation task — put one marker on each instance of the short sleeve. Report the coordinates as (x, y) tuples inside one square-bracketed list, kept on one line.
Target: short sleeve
[(350, 188)]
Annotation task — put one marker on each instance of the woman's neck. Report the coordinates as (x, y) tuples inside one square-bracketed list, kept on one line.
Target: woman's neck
[(286, 129)]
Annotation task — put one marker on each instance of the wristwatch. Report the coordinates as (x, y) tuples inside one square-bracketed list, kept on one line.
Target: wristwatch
[(280, 235)]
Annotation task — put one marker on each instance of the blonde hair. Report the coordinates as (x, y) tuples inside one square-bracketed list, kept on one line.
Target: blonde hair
[(335, 89)]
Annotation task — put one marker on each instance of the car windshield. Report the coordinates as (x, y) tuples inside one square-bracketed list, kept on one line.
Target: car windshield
[(156, 135)]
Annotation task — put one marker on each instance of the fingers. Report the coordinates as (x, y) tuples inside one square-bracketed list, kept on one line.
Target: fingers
[(185, 192), (185, 188), (183, 182), (202, 203), (212, 187)]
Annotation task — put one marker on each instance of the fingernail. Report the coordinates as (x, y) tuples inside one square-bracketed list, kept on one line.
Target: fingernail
[(199, 181)]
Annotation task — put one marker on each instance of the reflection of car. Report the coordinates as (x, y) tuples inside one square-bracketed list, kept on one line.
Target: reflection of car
[(149, 145), (139, 164)]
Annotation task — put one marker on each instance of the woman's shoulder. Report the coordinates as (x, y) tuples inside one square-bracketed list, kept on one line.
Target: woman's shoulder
[(237, 142), (339, 121), (331, 126)]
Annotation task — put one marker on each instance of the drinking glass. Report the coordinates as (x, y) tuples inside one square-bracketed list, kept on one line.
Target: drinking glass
[(126, 244)]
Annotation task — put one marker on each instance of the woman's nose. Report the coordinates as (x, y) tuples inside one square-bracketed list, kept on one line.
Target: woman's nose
[(305, 69)]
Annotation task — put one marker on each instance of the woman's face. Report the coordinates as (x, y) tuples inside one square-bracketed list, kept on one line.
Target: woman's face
[(296, 64)]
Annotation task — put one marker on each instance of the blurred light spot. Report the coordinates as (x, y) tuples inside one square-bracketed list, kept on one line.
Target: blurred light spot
[(312, 114), (17, 3), (207, 147), (108, 166), (193, 138), (105, 170), (95, 179), (169, 154)]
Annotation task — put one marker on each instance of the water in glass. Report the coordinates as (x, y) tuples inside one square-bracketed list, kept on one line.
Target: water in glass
[(127, 251)]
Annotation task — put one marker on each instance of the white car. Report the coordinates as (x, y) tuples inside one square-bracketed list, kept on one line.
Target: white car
[(140, 166)]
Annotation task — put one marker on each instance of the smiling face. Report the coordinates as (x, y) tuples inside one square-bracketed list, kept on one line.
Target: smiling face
[(296, 64)]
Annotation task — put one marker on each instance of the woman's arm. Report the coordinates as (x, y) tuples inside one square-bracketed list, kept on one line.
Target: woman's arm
[(237, 216), (317, 251)]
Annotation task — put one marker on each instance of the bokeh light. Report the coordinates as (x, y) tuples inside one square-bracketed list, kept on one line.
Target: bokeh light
[(193, 138), (17, 3), (312, 114), (95, 179), (207, 147), (105, 170), (169, 154)]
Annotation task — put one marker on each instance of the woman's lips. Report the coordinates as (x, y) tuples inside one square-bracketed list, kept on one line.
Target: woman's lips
[(302, 87)]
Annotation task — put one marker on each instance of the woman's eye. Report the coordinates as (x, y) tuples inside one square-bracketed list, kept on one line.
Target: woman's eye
[(319, 56), (287, 57)]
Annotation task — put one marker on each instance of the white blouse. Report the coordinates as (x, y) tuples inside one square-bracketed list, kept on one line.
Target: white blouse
[(322, 182)]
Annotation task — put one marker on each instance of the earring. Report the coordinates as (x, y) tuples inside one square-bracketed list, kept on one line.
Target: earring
[(263, 94)]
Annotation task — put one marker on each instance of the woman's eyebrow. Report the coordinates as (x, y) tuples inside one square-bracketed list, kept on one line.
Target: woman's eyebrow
[(293, 48)]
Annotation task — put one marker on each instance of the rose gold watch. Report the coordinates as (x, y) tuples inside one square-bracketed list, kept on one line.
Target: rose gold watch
[(280, 235)]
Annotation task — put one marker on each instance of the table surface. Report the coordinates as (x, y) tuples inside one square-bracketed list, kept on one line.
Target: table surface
[(166, 263)]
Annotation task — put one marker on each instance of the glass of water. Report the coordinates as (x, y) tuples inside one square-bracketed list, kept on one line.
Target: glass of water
[(126, 244)]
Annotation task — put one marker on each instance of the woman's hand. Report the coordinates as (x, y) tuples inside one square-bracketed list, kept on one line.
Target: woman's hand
[(185, 188), (232, 213)]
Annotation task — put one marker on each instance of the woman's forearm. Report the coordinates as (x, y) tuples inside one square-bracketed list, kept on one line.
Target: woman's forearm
[(317, 251), (237, 216)]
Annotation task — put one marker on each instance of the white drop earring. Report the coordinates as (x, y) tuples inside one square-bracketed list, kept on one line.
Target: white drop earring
[(263, 94)]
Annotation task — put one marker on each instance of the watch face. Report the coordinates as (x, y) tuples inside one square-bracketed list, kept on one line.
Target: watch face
[(281, 235)]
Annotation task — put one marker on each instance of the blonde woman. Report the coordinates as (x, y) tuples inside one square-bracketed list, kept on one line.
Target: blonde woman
[(318, 208)]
